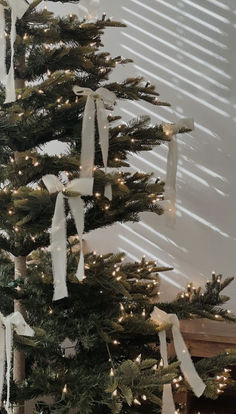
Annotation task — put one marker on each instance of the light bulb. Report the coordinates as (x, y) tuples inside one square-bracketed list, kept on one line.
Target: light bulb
[(138, 359)]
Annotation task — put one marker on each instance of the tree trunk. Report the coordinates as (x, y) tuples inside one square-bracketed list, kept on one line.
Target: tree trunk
[(19, 360), (20, 271)]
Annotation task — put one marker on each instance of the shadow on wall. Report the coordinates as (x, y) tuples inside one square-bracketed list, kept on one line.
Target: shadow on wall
[(187, 50)]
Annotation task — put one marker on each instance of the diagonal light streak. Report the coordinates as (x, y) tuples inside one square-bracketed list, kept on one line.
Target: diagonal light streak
[(207, 11), (176, 75), (177, 49), (184, 92), (144, 251), (181, 25), (176, 61)]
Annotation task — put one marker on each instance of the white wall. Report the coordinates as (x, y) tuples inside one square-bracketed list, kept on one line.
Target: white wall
[(187, 49)]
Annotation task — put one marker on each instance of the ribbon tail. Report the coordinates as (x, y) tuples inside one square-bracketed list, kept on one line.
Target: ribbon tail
[(2, 358), (170, 192), (10, 87), (77, 209), (168, 405), (187, 366), (108, 192), (88, 139), (3, 71), (58, 249), (9, 345), (103, 127)]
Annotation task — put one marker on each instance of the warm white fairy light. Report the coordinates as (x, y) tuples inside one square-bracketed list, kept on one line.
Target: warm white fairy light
[(138, 359), (112, 372), (65, 389), (144, 397), (115, 342), (136, 401), (114, 394)]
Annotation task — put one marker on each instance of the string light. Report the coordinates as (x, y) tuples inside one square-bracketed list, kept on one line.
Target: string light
[(138, 359), (112, 372), (137, 402), (114, 394), (115, 342), (144, 397), (64, 389)]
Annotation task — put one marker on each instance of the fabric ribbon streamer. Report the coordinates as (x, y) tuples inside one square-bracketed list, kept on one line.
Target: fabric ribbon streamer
[(171, 130), (95, 101), (187, 367), (82, 186), (18, 9), (7, 324)]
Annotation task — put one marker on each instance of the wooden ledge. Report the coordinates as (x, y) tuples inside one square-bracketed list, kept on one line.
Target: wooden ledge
[(206, 338)]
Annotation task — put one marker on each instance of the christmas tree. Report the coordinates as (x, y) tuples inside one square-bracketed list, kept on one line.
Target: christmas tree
[(95, 341)]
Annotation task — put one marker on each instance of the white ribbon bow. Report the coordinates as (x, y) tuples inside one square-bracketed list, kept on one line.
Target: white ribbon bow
[(18, 9), (187, 366), (83, 186), (95, 100), (7, 324), (170, 186)]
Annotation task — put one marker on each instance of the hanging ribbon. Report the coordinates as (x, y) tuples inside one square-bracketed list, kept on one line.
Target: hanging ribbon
[(7, 324), (171, 130), (18, 9), (190, 374), (95, 101), (82, 186), (3, 70)]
